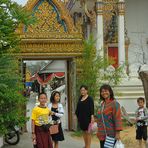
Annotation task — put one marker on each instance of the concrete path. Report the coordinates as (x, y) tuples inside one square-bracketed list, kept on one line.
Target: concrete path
[(69, 142)]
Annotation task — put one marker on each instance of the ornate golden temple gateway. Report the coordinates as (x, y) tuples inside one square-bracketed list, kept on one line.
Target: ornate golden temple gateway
[(54, 33), (52, 36)]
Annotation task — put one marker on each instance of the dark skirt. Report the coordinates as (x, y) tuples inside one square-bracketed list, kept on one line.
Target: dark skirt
[(83, 126), (59, 136), (43, 138)]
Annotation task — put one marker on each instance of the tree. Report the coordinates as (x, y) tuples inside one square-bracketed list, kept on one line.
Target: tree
[(11, 15), (11, 98), (96, 70), (144, 77)]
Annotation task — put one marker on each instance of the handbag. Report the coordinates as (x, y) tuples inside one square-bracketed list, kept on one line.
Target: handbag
[(54, 129), (109, 141), (119, 144)]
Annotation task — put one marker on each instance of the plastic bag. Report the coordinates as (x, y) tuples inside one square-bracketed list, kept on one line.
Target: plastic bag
[(93, 127), (119, 144)]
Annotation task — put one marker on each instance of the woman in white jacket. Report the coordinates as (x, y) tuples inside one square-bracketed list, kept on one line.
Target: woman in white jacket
[(57, 108)]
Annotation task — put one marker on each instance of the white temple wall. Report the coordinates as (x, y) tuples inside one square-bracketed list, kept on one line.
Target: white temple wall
[(136, 21)]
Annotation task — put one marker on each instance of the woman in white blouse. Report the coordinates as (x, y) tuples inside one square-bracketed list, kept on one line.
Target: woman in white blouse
[(57, 108)]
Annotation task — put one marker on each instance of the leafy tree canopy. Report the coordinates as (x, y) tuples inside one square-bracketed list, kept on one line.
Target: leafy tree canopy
[(11, 15), (12, 101)]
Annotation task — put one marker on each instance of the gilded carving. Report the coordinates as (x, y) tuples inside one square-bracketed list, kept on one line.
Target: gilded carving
[(64, 14), (121, 8), (108, 9), (51, 48), (46, 20), (91, 14), (110, 12), (50, 36)]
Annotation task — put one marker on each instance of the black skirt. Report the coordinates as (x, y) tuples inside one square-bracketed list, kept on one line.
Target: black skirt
[(59, 136)]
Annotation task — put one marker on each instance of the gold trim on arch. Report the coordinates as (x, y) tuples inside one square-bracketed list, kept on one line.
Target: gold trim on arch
[(44, 43), (64, 14)]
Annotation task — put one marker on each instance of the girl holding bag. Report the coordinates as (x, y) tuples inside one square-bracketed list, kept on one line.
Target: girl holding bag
[(109, 118), (57, 112)]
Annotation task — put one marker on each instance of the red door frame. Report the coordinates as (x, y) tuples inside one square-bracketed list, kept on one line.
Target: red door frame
[(113, 54)]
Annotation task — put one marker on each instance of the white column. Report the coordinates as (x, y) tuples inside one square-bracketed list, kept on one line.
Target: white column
[(99, 22), (121, 33)]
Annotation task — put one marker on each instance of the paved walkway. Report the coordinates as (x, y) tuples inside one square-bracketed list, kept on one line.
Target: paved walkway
[(69, 142)]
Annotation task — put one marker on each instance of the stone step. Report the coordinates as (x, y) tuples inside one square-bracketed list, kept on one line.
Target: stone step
[(129, 93), (128, 97), (128, 88)]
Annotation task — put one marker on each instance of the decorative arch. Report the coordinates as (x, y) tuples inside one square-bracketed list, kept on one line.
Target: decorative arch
[(43, 9), (48, 18), (54, 33)]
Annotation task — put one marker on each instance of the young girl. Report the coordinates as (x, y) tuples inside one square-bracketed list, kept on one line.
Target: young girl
[(40, 120), (58, 112)]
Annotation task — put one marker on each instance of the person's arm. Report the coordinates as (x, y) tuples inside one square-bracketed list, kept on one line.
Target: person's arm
[(33, 130), (49, 107), (33, 118), (145, 116), (77, 110), (92, 109), (117, 119), (61, 111)]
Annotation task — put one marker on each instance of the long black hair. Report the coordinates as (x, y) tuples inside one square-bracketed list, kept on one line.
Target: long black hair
[(53, 95), (107, 87)]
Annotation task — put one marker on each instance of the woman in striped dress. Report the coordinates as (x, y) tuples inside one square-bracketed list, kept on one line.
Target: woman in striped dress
[(109, 116)]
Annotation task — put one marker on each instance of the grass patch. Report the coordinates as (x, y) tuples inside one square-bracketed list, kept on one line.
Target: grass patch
[(77, 133)]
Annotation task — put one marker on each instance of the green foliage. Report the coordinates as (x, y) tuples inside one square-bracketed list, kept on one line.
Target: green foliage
[(11, 15), (12, 101), (78, 133), (96, 71)]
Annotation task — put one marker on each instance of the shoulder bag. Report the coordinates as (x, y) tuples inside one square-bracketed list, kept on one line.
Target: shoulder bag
[(109, 141), (54, 129)]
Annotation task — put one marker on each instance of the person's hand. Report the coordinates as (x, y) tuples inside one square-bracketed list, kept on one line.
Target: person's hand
[(75, 117), (92, 119), (33, 136), (117, 136), (138, 118), (52, 113)]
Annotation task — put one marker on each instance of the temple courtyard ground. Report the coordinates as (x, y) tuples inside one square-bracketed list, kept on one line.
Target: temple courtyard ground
[(73, 141), (69, 142)]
